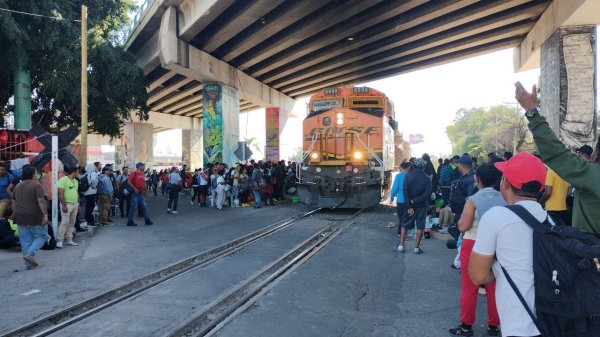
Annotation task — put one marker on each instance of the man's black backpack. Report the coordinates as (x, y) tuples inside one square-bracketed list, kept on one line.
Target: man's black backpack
[(566, 267), (84, 183), (458, 196)]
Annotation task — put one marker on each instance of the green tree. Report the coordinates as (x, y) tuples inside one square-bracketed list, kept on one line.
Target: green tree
[(297, 155), (51, 50), (254, 146), (479, 131)]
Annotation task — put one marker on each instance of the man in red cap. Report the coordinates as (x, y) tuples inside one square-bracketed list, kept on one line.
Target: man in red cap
[(582, 174), (503, 239)]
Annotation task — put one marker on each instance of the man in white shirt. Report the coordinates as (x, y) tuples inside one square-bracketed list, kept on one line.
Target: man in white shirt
[(504, 239)]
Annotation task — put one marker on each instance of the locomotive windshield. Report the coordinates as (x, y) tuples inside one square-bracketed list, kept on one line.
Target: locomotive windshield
[(325, 104)]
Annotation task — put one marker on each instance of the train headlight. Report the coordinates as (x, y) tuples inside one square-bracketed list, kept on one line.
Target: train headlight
[(340, 115), (318, 170), (340, 121), (355, 170), (314, 155), (304, 168), (358, 155)]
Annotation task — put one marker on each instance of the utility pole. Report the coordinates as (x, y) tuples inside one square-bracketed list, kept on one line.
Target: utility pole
[(84, 92)]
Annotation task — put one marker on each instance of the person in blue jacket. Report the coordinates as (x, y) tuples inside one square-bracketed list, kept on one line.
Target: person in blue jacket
[(398, 193)]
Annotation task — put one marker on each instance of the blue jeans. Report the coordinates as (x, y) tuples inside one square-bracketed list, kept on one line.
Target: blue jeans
[(256, 197), (400, 211), (135, 200), (234, 193), (173, 200), (32, 239)]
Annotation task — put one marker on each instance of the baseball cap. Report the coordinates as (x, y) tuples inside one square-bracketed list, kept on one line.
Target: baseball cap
[(465, 160), (139, 164), (523, 168), (586, 149), (418, 162)]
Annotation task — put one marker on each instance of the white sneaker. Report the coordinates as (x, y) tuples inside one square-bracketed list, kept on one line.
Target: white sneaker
[(71, 243), (400, 249), (59, 244), (191, 203), (417, 250), (175, 212)]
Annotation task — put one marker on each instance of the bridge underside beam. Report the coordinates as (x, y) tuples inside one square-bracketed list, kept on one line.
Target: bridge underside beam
[(167, 121), (177, 70)]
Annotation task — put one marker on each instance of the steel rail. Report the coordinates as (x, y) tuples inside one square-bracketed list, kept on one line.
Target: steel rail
[(61, 319), (227, 307)]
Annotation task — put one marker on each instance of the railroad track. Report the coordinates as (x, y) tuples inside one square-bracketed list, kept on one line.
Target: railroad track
[(236, 301), (61, 319)]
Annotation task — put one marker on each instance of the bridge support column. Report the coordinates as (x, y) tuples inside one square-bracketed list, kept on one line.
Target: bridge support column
[(22, 97), (220, 124), (275, 119), (191, 147), (568, 84), (138, 141)]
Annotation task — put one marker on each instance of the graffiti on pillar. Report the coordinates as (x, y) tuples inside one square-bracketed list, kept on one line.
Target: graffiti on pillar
[(212, 123), (272, 137), (578, 123), (127, 157), (231, 111), (138, 143), (196, 149), (185, 150), (120, 156)]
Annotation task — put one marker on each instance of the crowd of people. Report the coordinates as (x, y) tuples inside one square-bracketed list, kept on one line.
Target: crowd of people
[(557, 186), (219, 185), (91, 196)]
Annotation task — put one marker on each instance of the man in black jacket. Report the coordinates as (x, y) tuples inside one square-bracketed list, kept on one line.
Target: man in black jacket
[(417, 191), (463, 187)]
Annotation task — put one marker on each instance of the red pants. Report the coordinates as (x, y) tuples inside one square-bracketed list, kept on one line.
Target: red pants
[(468, 290)]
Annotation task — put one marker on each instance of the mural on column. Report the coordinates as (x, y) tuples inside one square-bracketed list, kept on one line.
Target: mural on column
[(185, 150), (119, 156), (272, 137), (196, 149), (220, 123), (231, 122), (138, 143), (212, 123)]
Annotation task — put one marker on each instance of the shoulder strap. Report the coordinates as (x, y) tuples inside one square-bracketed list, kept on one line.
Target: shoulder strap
[(537, 226), (520, 296), (529, 219)]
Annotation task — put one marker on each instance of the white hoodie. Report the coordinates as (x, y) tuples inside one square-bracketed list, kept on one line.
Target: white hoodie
[(92, 175)]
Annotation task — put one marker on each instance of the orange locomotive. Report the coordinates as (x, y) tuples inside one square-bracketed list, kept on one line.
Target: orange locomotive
[(349, 148)]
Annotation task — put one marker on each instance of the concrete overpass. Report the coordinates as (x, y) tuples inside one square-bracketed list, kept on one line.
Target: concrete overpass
[(268, 53)]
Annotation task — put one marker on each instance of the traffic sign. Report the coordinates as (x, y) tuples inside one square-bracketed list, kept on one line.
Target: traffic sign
[(243, 152)]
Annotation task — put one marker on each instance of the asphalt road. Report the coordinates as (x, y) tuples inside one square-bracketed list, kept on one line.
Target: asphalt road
[(355, 286), (358, 286)]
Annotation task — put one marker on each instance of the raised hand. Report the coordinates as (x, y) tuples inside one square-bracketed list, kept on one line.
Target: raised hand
[(526, 99)]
